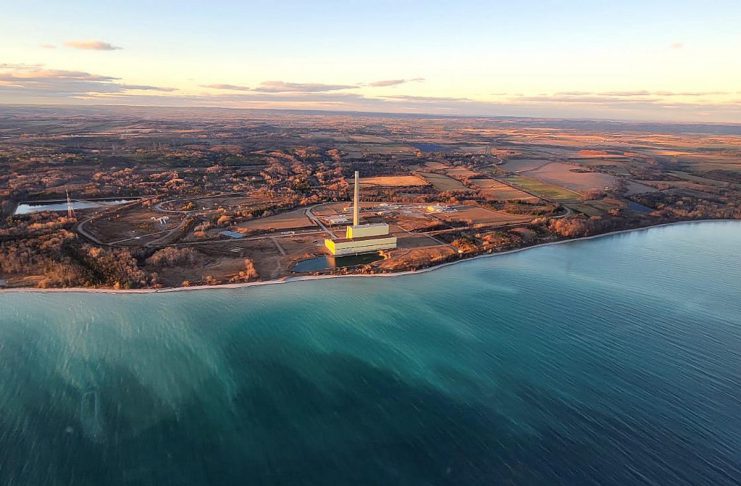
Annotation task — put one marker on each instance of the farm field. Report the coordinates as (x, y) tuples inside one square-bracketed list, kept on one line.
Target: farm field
[(566, 175), (393, 181), (480, 216), (460, 172), (520, 165), (495, 190), (288, 220), (543, 189), (443, 182)]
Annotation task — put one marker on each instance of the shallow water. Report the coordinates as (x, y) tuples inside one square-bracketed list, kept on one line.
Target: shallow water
[(611, 361)]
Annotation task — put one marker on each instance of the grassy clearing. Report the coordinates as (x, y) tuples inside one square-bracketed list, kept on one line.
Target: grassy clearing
[(493, 189), (443, 183), (543, 190)]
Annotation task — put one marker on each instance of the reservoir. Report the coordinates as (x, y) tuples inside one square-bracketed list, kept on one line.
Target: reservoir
[(615, 361)]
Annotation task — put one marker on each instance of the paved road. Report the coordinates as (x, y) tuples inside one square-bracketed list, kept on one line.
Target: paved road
[(310, 214)]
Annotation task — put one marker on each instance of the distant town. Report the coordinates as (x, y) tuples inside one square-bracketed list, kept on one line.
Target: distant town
[(127, 198)]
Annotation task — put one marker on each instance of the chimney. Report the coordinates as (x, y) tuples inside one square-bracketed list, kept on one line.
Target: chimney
[(356, 201)]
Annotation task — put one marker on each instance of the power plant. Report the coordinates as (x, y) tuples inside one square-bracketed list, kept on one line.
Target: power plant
[(361, 238)]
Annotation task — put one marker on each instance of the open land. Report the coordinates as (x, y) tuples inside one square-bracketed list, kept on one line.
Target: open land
[(230, 196)]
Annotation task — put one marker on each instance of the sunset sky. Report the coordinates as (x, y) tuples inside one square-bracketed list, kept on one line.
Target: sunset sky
[(647, 60)]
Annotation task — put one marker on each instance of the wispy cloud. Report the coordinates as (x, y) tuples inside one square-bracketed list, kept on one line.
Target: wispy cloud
[(33, 84), (425, 99), (48, 46), (637, 96), (34, 80), (393, 82), (283, 87), (146, 87), (677, 45), (227, 87), (94, 45)]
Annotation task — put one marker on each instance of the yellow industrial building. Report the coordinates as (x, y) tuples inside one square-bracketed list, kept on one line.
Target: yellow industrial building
[(361, 238), (344, 246)]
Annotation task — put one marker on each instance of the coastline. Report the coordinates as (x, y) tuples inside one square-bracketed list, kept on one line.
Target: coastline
[(306, 278)]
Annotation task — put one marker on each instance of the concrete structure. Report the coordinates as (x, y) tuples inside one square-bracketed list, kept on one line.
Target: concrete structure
[(361, 238), (356, 246), (356, 201), (366, 230)]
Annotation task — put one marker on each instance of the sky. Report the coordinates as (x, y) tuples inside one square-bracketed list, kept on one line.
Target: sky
[(650, 60)]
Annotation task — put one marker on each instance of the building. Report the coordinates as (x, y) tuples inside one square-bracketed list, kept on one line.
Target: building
[(366, 230), (361, 238), (338, 219), (356, 246)]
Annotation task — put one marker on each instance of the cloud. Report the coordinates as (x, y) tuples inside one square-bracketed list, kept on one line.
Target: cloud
[(285, 87), (425, 99), (36, 84), (691, 93), (592, 99), (94, 45), (393, 82), (288, 87), (228, 87), (638, 96), (146, 87), (48, 46), (37, 81), (677, 45)]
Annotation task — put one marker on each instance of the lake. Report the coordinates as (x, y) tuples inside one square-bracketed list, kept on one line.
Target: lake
[(613, 361)]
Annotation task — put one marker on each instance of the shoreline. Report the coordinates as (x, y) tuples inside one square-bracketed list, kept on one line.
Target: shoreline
[(306, 278)]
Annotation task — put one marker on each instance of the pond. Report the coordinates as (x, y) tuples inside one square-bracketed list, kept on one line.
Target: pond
[(328, 261), (28, 208)]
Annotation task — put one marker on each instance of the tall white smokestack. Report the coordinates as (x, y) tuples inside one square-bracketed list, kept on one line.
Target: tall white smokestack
[(356, 201)]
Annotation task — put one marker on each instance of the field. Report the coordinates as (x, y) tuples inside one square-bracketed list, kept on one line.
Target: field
[(565, 175), (443, 182), (542, 189), (393, 181), (494, 190), (460, 172), (520, 165), (284, 221), (479, 216)]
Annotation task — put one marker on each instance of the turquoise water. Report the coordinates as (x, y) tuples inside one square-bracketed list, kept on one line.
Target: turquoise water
[(611, 361)]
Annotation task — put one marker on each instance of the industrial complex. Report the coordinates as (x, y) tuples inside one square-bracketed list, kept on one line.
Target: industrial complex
[(365, 238)]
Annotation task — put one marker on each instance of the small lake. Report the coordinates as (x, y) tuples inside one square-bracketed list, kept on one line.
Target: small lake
[(29, 208), (327, 261)]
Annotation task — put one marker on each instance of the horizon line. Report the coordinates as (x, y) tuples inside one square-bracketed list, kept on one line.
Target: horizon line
[(380, 113)]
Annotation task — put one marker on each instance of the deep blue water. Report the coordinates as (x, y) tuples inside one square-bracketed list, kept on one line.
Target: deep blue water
[(614, 361)]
